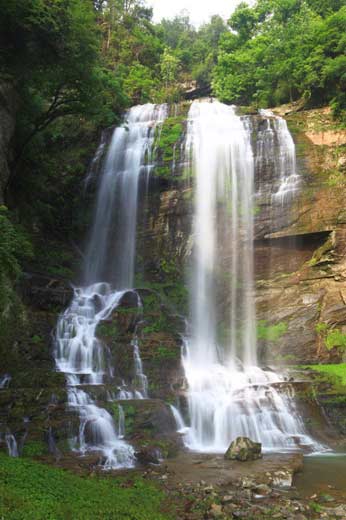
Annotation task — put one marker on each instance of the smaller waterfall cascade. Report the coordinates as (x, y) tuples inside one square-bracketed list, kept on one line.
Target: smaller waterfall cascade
[(12, 446), (229, 395), (277, 137), (5, 381), (108, 275)]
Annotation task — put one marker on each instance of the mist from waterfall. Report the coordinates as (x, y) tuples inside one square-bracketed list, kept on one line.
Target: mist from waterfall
[(108, 275), (229, 395)]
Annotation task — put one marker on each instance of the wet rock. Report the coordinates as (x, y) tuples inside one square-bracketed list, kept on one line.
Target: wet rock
[(262, 489), (149, 455), (244, 449), (338, 512), (240, 514), (282, 479), (247, 483)]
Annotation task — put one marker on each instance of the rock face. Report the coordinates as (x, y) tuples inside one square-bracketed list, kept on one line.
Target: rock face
[(300, 259), (244, 449)]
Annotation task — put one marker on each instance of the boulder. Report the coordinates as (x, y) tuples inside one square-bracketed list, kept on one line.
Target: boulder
[(244, 449)]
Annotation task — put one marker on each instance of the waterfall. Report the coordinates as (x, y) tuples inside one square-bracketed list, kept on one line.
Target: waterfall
[(141, 380), (108, 275), (12, 446), (229, 394), (5, 381), (121, 422), (112, 245), (278, 137)]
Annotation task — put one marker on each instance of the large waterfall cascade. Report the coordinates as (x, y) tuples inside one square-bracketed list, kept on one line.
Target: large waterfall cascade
[(108, 275), (229, 395)]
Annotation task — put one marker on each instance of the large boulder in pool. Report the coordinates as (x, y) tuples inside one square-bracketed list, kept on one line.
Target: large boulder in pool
[(244, 449)]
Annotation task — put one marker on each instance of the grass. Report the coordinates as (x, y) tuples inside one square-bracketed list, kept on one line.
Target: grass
[(33, 491)]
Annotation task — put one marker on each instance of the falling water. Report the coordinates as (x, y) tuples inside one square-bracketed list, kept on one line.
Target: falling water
[(229, 395), (112, 246), (11, 445), (5, 381), (121, 422), (108, 275), (141, 381), (277, 136)]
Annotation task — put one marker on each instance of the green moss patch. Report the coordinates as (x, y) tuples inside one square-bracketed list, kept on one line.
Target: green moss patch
[(167, 144), (35, 491), (271, 332)]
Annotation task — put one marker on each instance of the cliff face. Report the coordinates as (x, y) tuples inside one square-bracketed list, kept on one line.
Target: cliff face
[(304, 283)]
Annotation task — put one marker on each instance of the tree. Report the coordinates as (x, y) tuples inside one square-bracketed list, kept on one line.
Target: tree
[(169, 66), (50, 50)]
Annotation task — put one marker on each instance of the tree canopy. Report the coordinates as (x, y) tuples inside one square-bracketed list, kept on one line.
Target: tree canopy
[(282, 50)]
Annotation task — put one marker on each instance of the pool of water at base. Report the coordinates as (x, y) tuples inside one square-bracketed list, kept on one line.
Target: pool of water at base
[(323, 474)]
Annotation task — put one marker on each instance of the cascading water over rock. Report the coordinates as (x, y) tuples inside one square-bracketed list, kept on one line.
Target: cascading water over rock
[(229, 394), (108, 276), (276, 147)]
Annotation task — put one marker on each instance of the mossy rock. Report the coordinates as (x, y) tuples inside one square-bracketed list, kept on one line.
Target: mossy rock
[(145, 415), (148, 423), (244, 449)]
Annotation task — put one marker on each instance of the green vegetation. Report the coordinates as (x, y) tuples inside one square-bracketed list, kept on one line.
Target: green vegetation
[(129, 412), (38, 492), (283, 50), (107, 330), (14, 248), (321, 328), (34, 449), (271, 332), (163, 353), (334, 373), (167, 144), (194, 50), (333, 338), (324, 253)]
